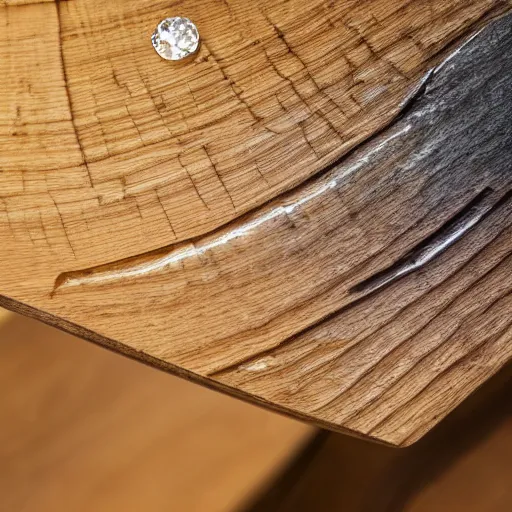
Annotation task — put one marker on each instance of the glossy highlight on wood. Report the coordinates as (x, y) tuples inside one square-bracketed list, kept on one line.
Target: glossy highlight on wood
[(220, 230)]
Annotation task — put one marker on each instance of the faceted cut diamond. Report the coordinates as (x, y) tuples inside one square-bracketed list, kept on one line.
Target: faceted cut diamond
[(175, 38)]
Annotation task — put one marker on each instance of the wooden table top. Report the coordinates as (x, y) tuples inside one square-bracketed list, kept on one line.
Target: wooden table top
[(313, 214)]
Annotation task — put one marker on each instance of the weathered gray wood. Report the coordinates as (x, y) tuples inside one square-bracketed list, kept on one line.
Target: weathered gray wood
[(431, 200)]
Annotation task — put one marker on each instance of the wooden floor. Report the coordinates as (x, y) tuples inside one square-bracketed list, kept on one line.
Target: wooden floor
[(82, 429)]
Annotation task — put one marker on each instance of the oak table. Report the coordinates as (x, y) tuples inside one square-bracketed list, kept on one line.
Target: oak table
[(314, 214)]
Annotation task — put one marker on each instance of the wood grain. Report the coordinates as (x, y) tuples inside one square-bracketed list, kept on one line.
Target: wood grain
[(370, 298), (112, 140)]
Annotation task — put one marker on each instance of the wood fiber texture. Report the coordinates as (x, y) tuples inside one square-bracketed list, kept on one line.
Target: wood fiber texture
[(313, 214)]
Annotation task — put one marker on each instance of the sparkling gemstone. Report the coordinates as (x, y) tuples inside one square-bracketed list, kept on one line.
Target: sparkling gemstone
[(175, 38)]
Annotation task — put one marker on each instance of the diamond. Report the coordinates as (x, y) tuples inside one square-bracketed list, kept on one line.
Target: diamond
[(175, 38)]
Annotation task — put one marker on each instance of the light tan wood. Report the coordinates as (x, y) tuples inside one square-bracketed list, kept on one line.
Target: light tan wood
[(152, 208), (82, 429), (103, 136)]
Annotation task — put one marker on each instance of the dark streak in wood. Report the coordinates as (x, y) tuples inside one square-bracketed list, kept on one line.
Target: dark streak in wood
[(436, 243)]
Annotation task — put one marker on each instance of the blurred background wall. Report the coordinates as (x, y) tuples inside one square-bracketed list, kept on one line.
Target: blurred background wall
[(83, 429)]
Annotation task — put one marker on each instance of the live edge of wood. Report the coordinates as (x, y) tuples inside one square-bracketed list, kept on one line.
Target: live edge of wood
[(315, 214)]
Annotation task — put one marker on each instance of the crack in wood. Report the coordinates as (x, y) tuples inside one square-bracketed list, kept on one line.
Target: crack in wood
[(159, 199), (192, 182), (214, 167), (432, 247), (68, 94), (64, 227)]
